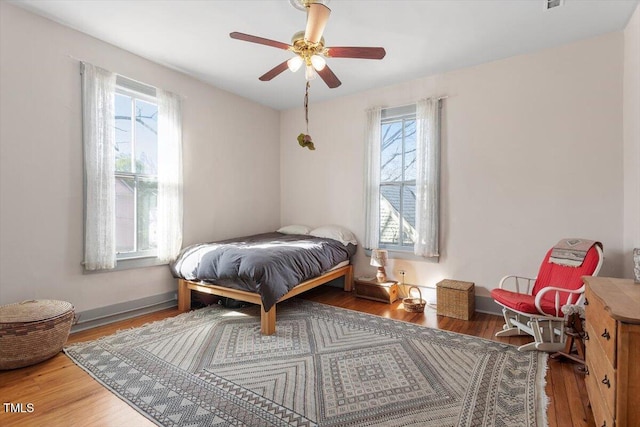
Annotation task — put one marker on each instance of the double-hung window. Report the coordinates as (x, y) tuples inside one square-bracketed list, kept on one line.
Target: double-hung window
[(397, 219), (136, 170), (403, 178), (132, 140)]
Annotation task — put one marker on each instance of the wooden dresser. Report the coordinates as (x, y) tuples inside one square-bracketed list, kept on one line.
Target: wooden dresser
[(612, 353)]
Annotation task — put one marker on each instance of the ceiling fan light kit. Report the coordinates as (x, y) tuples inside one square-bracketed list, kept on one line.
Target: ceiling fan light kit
[(310, 53), (309, 49)]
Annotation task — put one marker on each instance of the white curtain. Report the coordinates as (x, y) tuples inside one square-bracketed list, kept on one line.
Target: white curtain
[(427, 177), (98, 128), (372, 178), (169, 175)]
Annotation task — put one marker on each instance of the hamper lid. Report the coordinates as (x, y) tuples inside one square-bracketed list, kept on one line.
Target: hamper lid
[(455, 284), (33, 311)]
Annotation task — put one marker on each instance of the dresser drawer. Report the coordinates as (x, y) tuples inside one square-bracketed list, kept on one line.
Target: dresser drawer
[(601, 372), (603, 326), (601, 414), (617, 357)]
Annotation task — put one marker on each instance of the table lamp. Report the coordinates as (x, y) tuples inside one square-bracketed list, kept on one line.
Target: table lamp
[(379, 259)]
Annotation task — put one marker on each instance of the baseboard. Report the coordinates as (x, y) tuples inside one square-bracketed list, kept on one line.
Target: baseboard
[(104, 315), (487, 305), (112, 313)]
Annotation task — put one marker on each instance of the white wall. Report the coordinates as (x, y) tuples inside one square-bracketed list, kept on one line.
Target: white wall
[(532, 152), (231, 164), (631, 141)]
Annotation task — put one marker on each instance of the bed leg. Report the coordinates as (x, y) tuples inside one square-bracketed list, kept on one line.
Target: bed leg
[(267, 321), (184, 296), (348, 280)]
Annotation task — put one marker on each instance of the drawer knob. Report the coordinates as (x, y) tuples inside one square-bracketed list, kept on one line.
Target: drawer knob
[(606, 382), (586, 301), (586, 336), (586, 370), (604, 424), (606, 335)]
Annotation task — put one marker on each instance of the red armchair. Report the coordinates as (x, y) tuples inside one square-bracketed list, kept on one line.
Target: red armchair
[(536, 310)]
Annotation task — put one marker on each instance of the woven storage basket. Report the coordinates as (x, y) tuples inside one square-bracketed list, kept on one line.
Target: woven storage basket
[(414, 305), (455, 299), (33, 331)]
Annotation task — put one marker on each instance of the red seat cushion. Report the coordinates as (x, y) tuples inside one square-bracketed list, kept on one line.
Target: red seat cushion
[(550, 274), (522, 302)]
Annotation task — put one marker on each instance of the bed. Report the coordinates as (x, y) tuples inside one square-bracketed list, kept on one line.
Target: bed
[(264, 269)]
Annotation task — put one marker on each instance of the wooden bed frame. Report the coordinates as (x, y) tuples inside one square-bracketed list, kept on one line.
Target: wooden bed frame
[(267, 318)]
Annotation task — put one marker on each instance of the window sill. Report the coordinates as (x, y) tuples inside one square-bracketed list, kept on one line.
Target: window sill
[(407, 255), (131, 263)]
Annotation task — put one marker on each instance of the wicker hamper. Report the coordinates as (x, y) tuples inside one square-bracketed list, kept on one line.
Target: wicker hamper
[(33, 331), (456, 299)]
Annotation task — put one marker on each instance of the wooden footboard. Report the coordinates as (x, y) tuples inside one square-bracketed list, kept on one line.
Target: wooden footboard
[(267, 318)]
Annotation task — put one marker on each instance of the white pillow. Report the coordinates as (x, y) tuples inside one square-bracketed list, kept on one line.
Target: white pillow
[(335, 232), (294, 229)]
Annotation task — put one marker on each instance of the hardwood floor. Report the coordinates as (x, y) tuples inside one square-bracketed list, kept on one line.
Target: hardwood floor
[(61, 394)]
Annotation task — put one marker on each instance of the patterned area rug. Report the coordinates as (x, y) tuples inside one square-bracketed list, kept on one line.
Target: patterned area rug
[(325, 366)]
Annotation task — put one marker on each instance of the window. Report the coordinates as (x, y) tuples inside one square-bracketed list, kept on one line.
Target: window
[(402, 178), (136, 173), (397, 179), (132, 143)]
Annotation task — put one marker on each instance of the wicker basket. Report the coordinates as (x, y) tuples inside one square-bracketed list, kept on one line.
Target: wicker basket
[(455, 299), (414, 305), (33, 331)]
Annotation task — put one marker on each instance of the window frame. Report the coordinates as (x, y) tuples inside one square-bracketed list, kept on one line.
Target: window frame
[(136, 91), (390, 115)]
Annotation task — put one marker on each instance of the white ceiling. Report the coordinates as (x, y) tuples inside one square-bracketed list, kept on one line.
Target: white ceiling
[(421, 37)]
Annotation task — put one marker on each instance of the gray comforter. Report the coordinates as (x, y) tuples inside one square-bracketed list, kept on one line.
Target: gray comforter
[(270, 264)]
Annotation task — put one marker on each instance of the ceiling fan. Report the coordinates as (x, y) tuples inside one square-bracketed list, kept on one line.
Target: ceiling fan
[(309, 48)]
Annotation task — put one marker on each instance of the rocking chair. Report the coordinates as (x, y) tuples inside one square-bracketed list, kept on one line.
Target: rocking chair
[(536, 310)]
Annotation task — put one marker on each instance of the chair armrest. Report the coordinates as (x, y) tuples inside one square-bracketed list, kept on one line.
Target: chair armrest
[(557, 303), (516, 282)]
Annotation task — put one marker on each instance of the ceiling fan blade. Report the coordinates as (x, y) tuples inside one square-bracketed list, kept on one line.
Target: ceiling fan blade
[(273, 72), (356, 52), (317, 17), (259, 40), (329, 78)]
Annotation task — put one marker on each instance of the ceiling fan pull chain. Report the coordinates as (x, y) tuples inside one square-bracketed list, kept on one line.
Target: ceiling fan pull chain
[(305, 139), (306, 106)]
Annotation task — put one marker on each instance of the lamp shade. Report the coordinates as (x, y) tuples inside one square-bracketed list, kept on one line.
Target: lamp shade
[(318, 62), (379, 257), (309, 73), (295, 63)]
